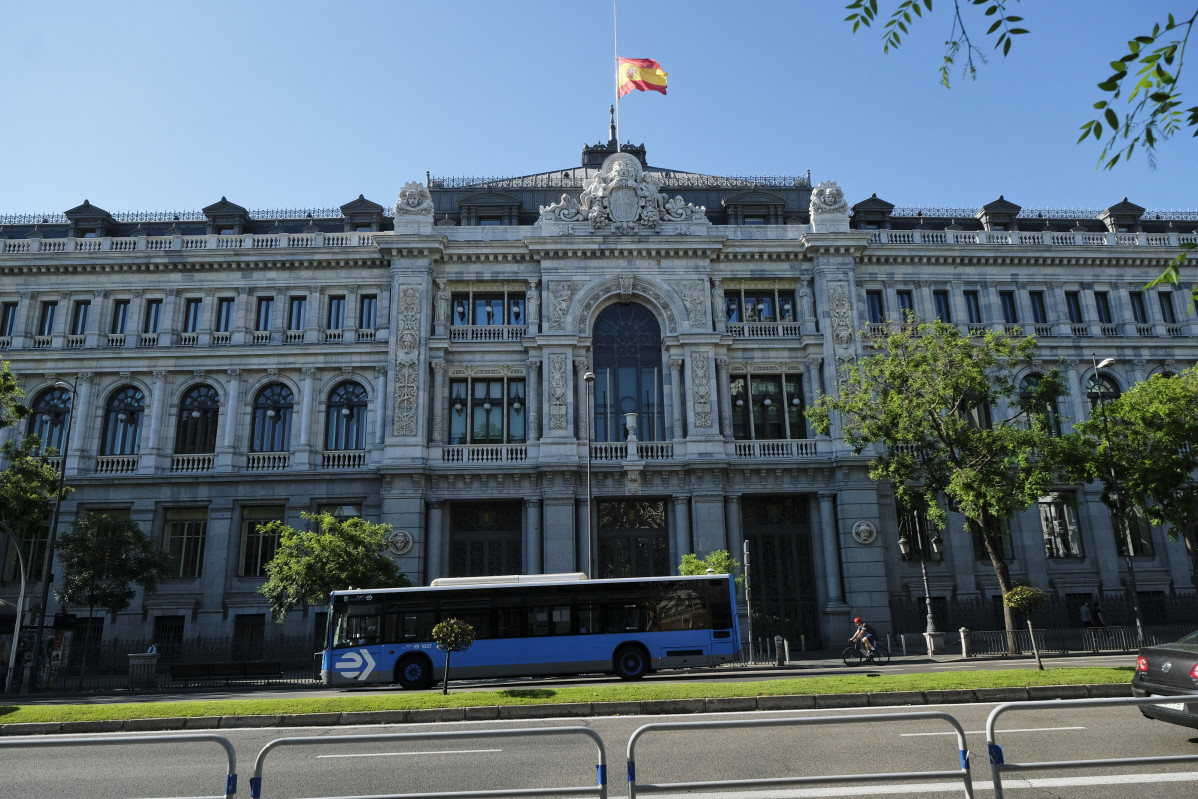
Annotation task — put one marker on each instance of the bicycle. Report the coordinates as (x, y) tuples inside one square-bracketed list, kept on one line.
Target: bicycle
[(855, 655)]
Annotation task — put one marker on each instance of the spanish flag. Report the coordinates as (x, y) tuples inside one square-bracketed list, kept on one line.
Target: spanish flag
[(641, 74)]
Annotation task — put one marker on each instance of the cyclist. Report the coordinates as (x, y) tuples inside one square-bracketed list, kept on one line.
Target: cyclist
[(866, 634)]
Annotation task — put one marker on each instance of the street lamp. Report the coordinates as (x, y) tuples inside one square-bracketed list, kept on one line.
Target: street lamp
[(1120, 519), (47, 575), (937, 545), (589, 379), (16, 627)]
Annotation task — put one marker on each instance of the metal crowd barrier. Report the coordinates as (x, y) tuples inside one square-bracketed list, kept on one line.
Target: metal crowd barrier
[(998, 762), (230, 777), (962, 773), (599, 790)]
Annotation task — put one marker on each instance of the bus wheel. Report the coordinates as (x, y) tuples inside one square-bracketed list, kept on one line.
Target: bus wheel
[(414, 673), (631, 662)]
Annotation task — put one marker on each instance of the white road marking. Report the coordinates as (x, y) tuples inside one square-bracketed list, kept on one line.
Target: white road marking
[(405, 754), (983, 732)]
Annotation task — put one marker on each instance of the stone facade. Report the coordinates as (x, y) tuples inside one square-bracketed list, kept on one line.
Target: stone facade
[(463, 365)]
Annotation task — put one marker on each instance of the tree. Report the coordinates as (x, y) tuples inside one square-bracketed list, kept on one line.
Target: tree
[(1148, 74), (339, 553), (1024, 599), (103, 557), (452, 635), (1144, 447), (718, 561), (925, 400)]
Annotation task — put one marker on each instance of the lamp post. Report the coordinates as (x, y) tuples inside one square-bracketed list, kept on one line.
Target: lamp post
[(1120, 518), (16, 627), (905, 547), (47, 574), (589, 379)]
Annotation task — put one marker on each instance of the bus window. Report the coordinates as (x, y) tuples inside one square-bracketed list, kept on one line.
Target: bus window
[(475, 611), (682, 607), (407, 624), (588, 619), (549, 614), (508, 614), (357, 627)]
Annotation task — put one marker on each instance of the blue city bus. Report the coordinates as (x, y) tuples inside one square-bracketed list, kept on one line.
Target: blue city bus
[(529, 625)]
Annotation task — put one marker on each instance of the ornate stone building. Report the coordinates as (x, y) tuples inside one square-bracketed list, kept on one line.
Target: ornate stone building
[(595, 369)]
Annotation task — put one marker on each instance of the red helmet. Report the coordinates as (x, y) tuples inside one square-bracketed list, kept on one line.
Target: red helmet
[(857, 620)]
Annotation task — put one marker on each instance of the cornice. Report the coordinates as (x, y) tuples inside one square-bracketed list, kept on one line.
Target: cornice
[(92, 263), (595, 247), (1005, 258)]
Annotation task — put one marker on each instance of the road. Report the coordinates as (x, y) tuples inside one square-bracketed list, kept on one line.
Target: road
[(492, 763)]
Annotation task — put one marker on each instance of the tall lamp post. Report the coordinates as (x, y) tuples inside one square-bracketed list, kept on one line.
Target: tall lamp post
[(905, 548), (47, 574), (589, 378), (16, 628), (1120, 517)]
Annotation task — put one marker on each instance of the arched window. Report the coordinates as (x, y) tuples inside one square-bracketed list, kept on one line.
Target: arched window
[(628, 379), (1101, 389), (1052, 414), (272, 419), (195, 432), (122, 421), (345, 419), (50, 416)]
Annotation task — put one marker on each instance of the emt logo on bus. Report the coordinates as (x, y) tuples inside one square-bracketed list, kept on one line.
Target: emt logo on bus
[(351, 664)]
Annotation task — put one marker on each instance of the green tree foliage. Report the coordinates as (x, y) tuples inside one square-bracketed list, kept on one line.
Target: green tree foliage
[(29, 483), (11, 409), (310, 564), (1025, 599), (452, 635), (103, 558), (1148, 75), (924, 400), (1152, 431), (718, 561)]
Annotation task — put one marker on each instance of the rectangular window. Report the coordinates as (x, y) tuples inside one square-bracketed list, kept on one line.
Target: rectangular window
[(1039, 310), (1004, 542), (1103, 302), (8, 318), (296, 313), (258, 545), (943, 311), (266, 310), (367, 319), (1134, 536), (83, 311), (876, 306), (1010, 308), (224, 315), (766, 407), (973, 307), (1073, 306), (1168, 315), (45, 325), (1058, 524), (120, 316), (34, 540), (484, 412), (336, 313), (906, 303), (191, 315), (186, 530), (153, 316), (1138, 312)]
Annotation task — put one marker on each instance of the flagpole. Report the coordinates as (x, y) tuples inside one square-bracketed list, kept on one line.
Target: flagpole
[(616, 53)]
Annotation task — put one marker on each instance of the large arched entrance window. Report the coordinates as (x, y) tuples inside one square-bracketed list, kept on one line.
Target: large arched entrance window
[(49, 417), (345, 418), (272, 419), (626, 342), (195, 430), (122, 421)]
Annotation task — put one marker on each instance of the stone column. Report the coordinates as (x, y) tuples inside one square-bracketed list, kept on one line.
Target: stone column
[(1078, 376), (681, 544), (733, 523), (532, 536), (533, 396), (154, 445), (301, 454), (440, 308), (718, 311), (80, 408), (532, 307), (243, 311), (676, 398), (435, 536), (723, 397), (559, 519), (232, 409), (312, 319), (827, 523), (439, 400), (581, 412), (380, 404)]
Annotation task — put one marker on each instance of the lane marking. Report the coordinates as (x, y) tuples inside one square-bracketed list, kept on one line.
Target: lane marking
[(983, 732), (411, 754)]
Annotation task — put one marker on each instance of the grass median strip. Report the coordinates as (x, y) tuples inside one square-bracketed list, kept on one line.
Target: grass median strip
[(616, 692)]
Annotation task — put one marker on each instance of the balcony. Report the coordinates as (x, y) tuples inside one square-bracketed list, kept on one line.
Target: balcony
[(486, 332), (191, 464), (248, 241), (775, 450), (484, 453), (268, 461), (1037, 238), (117, 464), (343, 459), (764, 329)]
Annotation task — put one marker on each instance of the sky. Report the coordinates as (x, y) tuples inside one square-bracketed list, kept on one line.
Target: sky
[(168, 106)]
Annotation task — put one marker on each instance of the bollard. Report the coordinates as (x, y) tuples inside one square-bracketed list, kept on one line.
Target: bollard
[(964, 642), (779, 652), (802, 643)]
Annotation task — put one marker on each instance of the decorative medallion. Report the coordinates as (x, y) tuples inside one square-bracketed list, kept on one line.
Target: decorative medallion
[(399, 542), (864, 532)]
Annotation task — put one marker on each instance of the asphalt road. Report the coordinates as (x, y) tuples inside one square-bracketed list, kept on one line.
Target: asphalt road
[(341, 767)]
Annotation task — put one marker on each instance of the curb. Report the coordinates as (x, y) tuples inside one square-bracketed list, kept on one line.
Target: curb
[(581, 709)]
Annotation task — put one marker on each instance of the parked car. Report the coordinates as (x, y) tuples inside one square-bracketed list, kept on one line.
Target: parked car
[(1170, 670)]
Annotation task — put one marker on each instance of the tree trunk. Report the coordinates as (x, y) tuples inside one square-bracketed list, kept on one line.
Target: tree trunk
[(445, 684), (1035, 649), (1190, 534), (87, 642), (993, 542)]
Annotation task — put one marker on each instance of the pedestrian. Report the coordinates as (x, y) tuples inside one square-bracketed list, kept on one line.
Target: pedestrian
[(1099, 621), (1087, 618), (153, 650)]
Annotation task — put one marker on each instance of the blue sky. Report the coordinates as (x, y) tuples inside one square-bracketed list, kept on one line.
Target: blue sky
[(162, 106)]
